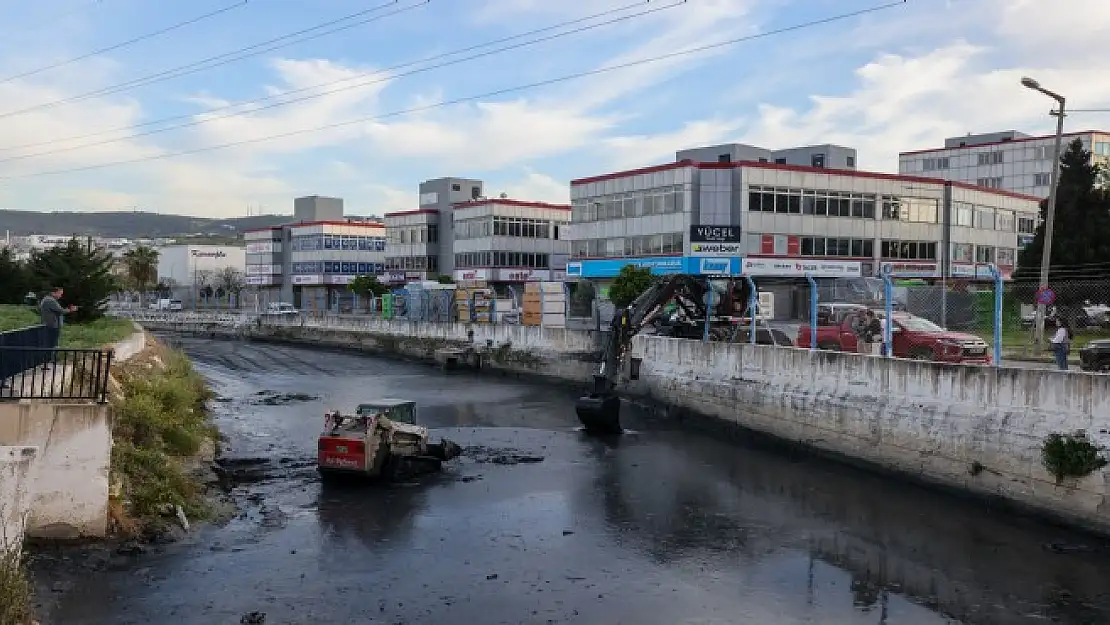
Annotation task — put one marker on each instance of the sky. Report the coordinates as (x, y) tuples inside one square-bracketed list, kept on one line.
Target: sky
[(229, 112)]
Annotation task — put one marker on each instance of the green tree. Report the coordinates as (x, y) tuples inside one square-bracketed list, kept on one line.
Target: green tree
[(367, 286), (1080, 234), (629, 284), (14, 281), (84, 271), (141, 265)]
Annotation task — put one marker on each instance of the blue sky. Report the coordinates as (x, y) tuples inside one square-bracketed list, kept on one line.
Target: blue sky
[(901, 78)]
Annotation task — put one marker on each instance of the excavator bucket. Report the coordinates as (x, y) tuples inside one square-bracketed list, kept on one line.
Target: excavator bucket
[(600, 411)]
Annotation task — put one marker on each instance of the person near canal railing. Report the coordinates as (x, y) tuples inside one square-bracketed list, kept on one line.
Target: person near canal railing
[(52, 314)]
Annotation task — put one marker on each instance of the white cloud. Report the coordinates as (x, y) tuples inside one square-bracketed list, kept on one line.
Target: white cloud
[(535, 187)]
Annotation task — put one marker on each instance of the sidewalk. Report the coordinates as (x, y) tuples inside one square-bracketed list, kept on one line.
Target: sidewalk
[(1044, 357)]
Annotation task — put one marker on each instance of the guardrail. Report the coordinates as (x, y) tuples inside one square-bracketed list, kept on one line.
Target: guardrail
[(31, 369), (224, 319)]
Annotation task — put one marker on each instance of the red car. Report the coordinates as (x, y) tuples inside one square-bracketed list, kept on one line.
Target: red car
[(913, 337)]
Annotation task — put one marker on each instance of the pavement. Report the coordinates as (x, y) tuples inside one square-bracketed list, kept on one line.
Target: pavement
[(537, 523)]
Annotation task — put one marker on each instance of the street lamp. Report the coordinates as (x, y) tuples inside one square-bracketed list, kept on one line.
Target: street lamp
[(1046, 252)]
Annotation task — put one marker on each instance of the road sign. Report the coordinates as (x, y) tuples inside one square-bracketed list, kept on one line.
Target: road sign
[(1045, 296)]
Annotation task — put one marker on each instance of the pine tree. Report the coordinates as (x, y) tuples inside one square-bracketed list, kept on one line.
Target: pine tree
[(14, 280), (1081, 236), (85, 273)]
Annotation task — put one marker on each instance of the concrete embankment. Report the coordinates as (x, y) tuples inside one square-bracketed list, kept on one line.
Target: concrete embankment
[(68, 481), (978, 430)]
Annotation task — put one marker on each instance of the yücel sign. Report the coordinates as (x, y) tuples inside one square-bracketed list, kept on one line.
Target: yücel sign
[(714, 234)]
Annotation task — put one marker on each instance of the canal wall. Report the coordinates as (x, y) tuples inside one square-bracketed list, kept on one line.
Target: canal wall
[(69, 481), (552, 353), (974, 429)]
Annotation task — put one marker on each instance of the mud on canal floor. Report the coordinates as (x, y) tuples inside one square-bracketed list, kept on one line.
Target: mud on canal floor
[(537, 524)]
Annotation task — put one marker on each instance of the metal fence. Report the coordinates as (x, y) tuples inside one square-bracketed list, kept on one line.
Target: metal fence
[(31, 369)]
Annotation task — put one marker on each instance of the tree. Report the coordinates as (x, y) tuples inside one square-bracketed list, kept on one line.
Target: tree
[(229, 281), (141, 266), (85, 273), (14, 280), (367, 286), (629, 284), (1079, 238)]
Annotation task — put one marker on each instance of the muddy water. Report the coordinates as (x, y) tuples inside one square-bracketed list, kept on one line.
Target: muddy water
[(667, 527)]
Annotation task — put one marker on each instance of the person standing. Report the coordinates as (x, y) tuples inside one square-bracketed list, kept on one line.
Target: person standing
[(52, 314), (1061, 343)]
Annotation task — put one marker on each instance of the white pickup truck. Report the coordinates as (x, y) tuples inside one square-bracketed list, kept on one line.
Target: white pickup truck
[(280, 309), (166, 304)]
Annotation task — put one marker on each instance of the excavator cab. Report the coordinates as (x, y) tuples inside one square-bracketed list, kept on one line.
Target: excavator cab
[(692, 298)]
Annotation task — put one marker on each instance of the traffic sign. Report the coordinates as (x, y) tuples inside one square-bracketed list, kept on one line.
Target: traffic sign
[(1045, 296)]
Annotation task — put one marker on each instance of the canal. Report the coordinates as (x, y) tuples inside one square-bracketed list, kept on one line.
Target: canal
[(538, 524)]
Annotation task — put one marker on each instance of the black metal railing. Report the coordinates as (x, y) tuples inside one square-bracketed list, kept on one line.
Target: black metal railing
[(31, 369)]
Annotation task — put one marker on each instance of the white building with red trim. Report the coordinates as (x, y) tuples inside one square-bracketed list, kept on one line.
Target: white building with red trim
[(1008, 160), (768, 212)]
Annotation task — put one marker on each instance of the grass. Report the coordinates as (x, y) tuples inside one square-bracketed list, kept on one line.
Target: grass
[(15, 589), (99, 333), (159, 418)]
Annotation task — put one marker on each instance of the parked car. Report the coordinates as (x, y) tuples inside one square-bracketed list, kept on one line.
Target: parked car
[(1095, 356), (912, 336)]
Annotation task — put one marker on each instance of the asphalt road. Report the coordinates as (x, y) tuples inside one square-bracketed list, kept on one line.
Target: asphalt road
[(668, 527)]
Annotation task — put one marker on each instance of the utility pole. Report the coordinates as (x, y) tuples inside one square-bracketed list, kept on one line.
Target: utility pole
[(1050, 217)]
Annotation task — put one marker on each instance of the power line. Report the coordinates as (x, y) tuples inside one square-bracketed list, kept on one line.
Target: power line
[(471, 98), (1089, 111), (132, 41), (362, 83), (229, 57)]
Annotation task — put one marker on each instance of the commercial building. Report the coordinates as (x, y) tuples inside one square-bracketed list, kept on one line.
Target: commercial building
[(189, 268), (1009, 160), (310, 261), (460, 233), (783, 220)]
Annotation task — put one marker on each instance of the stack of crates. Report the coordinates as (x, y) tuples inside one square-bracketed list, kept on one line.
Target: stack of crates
[(482, 296), (545, 304)]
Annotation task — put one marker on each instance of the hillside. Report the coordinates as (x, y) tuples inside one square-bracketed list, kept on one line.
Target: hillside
[(127, 224)]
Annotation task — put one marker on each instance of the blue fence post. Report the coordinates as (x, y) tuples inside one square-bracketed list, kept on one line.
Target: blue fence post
[(888, 305), (753, 305), (812, 312), (997, 275), (708, 309)]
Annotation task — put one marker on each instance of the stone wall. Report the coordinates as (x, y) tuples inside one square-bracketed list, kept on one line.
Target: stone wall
[(976, 429), (16, 476)]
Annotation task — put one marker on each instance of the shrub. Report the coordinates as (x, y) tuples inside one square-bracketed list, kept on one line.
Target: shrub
[(1071, 455), (15, 589)]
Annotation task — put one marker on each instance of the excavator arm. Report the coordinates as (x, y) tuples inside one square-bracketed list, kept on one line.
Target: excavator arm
[(599, 411)]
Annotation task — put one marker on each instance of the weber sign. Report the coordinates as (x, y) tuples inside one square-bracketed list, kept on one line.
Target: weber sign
[(715, 240)]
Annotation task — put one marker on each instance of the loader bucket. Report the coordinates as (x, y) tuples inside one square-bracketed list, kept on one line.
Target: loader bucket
[(600, 414)]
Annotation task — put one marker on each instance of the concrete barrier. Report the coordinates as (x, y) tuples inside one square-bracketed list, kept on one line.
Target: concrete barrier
[(70, 494), (16, 476), (976, 429)]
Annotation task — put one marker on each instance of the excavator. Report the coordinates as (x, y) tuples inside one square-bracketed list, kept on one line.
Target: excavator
[(678, 305)]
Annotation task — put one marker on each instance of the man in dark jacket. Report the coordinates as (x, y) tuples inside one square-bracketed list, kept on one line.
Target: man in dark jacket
[(52, 315)]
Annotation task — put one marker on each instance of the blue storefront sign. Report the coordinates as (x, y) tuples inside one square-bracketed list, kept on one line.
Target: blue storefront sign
[(659, 265)]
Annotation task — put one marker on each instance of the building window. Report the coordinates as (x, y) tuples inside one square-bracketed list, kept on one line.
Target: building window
[(984, 219), (837, 247), (909, 250), (934, 164), (780, 161), (665, 243), (724, 158), (1102, 148), (990, 183), (1004, 221), (654, 201), (1042, 153), (1042, 180), (991, 158), (984, 254), (964, 214), (1026, 225), (456, 187), (963, 253), (1005, 257), (914, 209), (819, 203), (850, 162), (817, 160)]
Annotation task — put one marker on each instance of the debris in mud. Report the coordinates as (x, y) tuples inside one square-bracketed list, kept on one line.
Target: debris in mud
[(273, 398), (485, 455), (253, 618)]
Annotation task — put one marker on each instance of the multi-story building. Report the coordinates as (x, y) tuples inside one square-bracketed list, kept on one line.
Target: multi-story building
[(310, 261), (1009, 160), (189, 268), (826, 155), (788, 220), (459, 233)]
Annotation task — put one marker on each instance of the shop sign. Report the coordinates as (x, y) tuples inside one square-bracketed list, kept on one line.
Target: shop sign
[(307, 280), (715, 249), (472, 274), (798, 268), (715, 234), (261, 247), (924, 270), (522, 275)]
